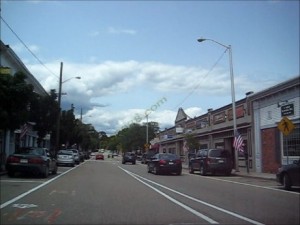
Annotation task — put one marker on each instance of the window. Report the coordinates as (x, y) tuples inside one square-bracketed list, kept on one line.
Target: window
[(291, 142)]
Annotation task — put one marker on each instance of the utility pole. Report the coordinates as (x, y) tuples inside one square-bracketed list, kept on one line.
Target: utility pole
[(59, 111)]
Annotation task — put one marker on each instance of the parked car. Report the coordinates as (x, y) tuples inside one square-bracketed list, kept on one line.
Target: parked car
[(37, 161), (211, 161), (81, 156), (93, 155), (99, 156), (289, 175), (165, 162), (147, 156), (76, 155), (65, 157), (129, 157)]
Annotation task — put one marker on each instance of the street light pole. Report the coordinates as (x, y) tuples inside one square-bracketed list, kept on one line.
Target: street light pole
[(232, 95), (59, 105), (147, 138), (59, 109)]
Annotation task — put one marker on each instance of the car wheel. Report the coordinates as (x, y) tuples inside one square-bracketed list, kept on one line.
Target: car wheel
[(45, 173), (149, 171), (54, 171), (133, 163), (202, 170), (178, 172), (10, 173), (191, 169), (155, 170), (286, 182), (228, 173)]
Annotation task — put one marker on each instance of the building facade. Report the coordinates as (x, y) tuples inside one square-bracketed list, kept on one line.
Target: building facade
[(257, 118), (270, 108), (10, 63)]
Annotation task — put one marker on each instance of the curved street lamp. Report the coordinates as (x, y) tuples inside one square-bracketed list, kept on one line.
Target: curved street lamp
[(228, 47), (59, 103)]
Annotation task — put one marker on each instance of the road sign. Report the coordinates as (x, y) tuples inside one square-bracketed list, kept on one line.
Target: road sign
[(286, 126)]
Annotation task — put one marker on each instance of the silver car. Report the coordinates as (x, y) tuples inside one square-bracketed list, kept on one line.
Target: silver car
[(65, 157), (76, 155)]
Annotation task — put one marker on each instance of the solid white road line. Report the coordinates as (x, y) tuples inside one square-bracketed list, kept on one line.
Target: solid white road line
[(34, 189), (197, 200), (172, 199)]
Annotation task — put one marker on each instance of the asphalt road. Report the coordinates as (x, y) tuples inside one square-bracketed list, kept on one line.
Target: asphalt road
[(108, 192)]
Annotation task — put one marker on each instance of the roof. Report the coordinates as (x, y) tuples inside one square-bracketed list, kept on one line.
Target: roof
[(8, 56)]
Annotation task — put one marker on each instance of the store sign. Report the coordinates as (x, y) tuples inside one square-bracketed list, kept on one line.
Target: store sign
[(287, 110)]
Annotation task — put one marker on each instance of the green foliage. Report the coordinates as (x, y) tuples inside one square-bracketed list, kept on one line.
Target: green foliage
[(192, 142), (15, 97), (43, 111), (132, 137)]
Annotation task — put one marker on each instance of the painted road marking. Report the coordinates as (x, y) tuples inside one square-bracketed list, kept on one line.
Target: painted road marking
[(195, 199), (34, 189), (200, 215), (24, 206)]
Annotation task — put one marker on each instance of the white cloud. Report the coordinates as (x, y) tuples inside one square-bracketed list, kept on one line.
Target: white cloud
[(113, 30), (116, 81), (19, 48)]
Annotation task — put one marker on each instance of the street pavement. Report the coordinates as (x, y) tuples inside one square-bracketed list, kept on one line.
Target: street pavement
[(267, 176)]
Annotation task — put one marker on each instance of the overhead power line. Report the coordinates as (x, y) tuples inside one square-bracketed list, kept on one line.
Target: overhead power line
[(198, 84), (27, 47)]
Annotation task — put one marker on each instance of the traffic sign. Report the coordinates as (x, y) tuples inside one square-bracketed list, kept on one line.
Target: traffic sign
[(286, 126)]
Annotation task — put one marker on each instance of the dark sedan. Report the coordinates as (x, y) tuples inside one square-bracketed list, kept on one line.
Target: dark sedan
[(37, 161), (129, 157), (165, 163), (289, 175)]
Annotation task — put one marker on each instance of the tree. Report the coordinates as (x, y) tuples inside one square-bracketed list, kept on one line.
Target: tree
[(43, 111), (67, 127), (134, 136), (16, 96), (192, 142)]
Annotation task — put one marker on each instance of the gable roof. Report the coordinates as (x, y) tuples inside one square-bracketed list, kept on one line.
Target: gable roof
[(181, 115), (9, 59)]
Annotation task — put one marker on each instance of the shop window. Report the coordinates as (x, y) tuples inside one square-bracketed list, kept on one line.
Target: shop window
[(291, 142)]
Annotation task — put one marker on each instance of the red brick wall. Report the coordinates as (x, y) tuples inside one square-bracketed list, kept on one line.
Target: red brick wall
[(268, 138)]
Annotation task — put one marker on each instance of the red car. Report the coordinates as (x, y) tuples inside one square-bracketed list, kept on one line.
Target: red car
[(99, 156)]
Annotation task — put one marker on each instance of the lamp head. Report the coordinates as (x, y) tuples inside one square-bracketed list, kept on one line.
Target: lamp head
[(201, 39), (78, 77)]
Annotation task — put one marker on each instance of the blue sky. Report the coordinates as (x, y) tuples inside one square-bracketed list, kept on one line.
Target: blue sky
[(132, 54)]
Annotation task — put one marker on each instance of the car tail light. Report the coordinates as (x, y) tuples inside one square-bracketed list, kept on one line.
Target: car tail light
[(13, 159), (162, 161), (36, 161)]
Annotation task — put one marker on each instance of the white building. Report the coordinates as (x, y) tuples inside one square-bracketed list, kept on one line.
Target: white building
[(10, 63)]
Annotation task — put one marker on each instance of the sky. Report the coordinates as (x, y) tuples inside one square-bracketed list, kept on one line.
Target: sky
[(138, 58)]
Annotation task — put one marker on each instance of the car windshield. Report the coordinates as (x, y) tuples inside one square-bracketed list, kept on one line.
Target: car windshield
[(129, 154), (63, 152), (31, 151), (219, 153)]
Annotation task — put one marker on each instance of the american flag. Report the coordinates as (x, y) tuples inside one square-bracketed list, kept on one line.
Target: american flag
[(238, 142), (24, 130)]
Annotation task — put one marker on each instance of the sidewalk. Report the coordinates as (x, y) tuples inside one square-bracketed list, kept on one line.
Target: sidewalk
[(267, 176)]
